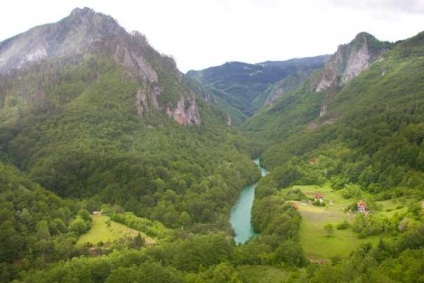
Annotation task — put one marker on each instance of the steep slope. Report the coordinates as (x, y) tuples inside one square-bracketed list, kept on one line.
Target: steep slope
[(242, 89), (349, 61), (370, 132), (86, 32), (103, 115), (34, 222)]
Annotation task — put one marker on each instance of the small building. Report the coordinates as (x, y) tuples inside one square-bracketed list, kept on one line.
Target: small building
[(312, 161), (318, 197), (362, 208)]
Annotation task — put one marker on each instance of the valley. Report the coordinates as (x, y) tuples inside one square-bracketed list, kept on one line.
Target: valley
[(117, 167)]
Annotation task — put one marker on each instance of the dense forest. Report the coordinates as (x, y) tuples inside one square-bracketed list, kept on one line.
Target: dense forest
[(99, 183)]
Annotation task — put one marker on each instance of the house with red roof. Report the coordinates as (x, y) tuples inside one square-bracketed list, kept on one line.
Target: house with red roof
[(362, 208)]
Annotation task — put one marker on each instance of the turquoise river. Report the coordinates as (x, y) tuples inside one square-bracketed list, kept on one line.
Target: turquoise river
[(240, 217)]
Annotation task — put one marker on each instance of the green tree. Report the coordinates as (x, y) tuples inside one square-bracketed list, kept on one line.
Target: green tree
[(329, 229)]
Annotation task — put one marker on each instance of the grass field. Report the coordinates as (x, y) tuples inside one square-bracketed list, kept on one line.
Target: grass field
[(316, 241), (101, 231)]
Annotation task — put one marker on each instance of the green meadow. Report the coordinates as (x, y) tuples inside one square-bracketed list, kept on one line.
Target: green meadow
[(321, 245), (107, 231)]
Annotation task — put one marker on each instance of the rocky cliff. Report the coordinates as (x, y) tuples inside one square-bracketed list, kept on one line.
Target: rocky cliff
[(87, 33), (349, 61)]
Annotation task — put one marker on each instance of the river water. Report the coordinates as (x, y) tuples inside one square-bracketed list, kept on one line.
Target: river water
[(240, 217)]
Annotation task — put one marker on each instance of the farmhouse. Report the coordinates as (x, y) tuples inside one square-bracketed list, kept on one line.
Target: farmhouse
[(362, 208), (318, 197)]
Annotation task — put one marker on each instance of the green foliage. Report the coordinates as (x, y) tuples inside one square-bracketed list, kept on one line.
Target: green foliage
[(84, 138), (329, 229), (292, 194), (151, 228), (352, 191), (198, 251), (342, 226), (370, 264), (34, 224), (370, 136), (146, 272), (242, 89)]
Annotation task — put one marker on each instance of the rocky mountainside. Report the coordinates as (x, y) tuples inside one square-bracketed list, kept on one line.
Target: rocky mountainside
[(75, 35), (86, 32), (360, 117), (89, 110), (349, 61), (93, 118), (243, 88)]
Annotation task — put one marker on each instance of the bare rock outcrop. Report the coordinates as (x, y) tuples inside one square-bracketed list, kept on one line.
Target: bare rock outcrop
[(186, 112), (349, 61)]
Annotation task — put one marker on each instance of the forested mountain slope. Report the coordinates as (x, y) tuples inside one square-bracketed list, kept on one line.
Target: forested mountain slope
[(108, 117), (241, 89), (94, 120), (366, 130)]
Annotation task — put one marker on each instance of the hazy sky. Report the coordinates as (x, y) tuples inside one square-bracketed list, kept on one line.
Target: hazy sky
[(204, 33)]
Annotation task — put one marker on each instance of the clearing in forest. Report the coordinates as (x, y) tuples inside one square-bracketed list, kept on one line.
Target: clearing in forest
[(321, 244), (105, 230)]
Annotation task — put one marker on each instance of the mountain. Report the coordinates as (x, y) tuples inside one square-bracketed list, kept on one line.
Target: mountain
[(359, 117), (242, 89), (349, 61), (86, 32), (88, 110), (99, 133)]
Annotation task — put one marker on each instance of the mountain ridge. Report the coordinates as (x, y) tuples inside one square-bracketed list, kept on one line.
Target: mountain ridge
[(85, 32), (349, 61), (353, 122), (242, 88)]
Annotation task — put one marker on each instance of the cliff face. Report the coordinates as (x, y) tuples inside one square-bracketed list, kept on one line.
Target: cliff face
[(349, 61), (87, 33), (185, 113)]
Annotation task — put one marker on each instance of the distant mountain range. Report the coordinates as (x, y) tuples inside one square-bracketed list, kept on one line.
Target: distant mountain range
[(242, 89)]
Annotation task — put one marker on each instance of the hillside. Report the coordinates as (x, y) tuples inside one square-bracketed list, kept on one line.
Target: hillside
[(241, 89), (116, 167), (353, 132), (109, 118), (367, 130)]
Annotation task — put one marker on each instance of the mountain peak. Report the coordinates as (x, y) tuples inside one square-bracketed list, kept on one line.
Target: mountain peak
[(364, 35), (349, 61), (87, 16), (86, 33), (70, 36), (81, 12)]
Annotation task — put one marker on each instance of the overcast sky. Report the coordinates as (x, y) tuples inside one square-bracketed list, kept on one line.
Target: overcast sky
[(204, 33)]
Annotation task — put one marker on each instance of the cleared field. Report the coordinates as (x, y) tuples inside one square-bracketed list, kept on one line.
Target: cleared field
[(319, 244), (105, 230), (316, 241)]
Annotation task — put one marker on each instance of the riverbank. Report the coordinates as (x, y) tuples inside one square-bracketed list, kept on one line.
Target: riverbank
[(241, 212)]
